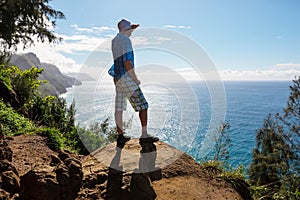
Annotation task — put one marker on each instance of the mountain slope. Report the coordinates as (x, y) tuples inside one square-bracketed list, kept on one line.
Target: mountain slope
[(57, 82)]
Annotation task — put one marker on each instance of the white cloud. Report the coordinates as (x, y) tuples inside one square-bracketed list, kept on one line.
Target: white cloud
[(170, 26), (77, 43), (103, 28), (271, 74), (188, 27), (259, 74), (190, 74), (93, 30), (63, 54), (180, 27), (288, 65), (162, 38), (77, 28), (144, 41)]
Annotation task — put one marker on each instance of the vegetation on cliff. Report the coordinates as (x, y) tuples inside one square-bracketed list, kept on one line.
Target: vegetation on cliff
[(274, 171)]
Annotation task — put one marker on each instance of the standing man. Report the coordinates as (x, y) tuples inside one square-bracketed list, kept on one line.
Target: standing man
[(127, 83)]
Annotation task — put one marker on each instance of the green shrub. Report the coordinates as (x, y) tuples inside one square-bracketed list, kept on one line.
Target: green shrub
[(55, 139), (13, 123), (95, 136), (90, 140), (24, 83), (235, 176)]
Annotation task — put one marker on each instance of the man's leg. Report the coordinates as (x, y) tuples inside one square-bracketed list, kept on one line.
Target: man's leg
[(140, 104), (143, 114), (120, 103), (119, 121), (121, 140)]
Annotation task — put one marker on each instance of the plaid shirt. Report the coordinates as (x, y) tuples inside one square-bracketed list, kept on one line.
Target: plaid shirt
[(122, 52)]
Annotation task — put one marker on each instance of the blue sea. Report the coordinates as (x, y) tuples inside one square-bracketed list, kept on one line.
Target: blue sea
[(182, 118)]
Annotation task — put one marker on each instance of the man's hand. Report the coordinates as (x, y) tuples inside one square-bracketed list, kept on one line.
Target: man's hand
[(129, 68), (137, 81)]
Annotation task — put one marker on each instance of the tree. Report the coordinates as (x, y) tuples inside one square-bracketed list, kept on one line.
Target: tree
[(291, 120), (21, 20), (271, 158), (275, 169), (222, 143)]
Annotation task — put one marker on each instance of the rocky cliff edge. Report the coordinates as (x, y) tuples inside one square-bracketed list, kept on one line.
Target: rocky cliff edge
[(30, 170)]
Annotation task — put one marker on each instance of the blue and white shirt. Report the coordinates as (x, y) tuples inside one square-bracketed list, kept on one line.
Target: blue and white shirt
[(122, 52)]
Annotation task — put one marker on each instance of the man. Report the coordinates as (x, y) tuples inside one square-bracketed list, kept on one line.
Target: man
[(127, 83)]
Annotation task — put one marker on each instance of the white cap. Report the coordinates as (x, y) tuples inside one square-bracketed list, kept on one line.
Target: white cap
[(125, 25)]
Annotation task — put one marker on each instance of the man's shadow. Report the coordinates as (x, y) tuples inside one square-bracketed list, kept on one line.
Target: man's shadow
[(141, 178)]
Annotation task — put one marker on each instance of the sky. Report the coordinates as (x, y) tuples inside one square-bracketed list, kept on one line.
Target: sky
[(249, 39)]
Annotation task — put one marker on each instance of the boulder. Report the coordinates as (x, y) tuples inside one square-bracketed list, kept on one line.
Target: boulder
[(40, 183), (63, 155), (55, 161), (3, 194), (9, 177), (63, 178), (10, 182), (75, 175), (141, 187), (5, 151), (54, 182), (5, 165)]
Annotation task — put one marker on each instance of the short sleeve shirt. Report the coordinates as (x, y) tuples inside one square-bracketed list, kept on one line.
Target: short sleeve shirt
[(122, 52)]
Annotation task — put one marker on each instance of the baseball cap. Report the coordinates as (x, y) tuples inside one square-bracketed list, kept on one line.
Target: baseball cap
[(125, 25)]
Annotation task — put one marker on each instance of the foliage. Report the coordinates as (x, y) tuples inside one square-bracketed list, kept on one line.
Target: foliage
[(292, 111), (291, 121), (220, 152), (49, 111), (220, 169), (237, 173), (274, 171), (13, 123), (23, 83), (235, 176), (222, 143), (20, 20), (290, 188), (97, 135), (5, 77), (212, 167), (55, 139), (90, 140), (270, 158)]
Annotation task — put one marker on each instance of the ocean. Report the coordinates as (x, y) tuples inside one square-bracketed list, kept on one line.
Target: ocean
[(182, 117)]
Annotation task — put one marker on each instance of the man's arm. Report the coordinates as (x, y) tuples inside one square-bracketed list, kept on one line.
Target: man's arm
[(129, 68)]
